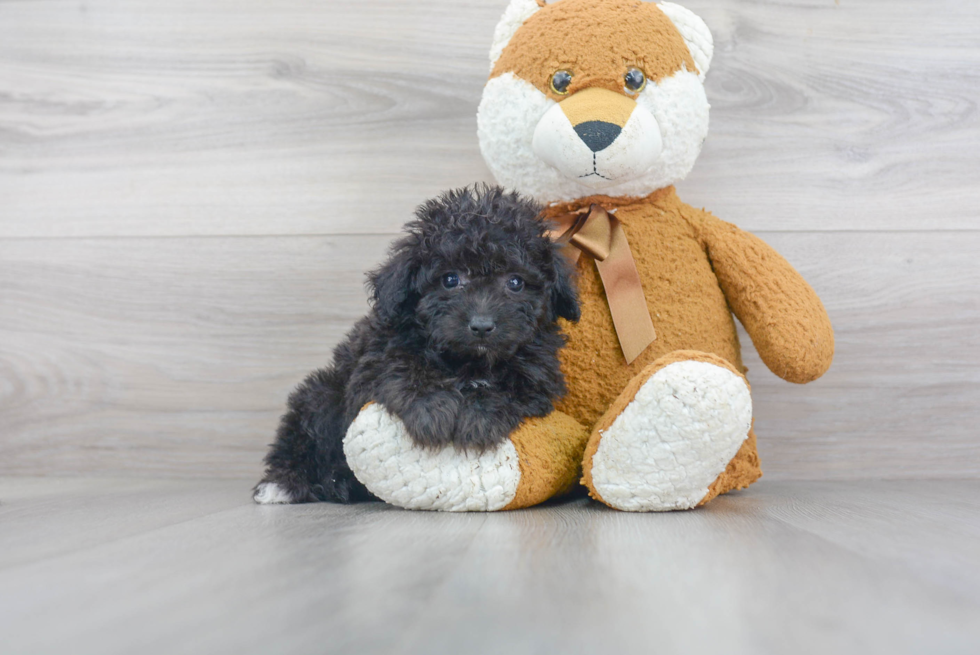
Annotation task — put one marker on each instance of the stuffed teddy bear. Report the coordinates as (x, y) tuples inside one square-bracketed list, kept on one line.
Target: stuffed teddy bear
[(596, 108)]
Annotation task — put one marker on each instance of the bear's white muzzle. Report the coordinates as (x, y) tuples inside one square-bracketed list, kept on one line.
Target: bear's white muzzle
[(595, 152)]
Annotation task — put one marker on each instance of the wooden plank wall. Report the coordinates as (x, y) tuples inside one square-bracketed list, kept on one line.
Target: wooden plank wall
[(191, 191)]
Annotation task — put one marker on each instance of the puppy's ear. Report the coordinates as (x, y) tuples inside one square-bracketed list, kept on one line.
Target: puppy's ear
[(564, 297), (392, 285)]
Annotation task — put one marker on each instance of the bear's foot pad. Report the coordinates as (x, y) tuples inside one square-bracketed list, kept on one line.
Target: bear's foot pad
[(674, 439)]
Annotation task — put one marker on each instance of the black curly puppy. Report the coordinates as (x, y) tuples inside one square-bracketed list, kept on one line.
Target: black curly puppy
[(461, 344)]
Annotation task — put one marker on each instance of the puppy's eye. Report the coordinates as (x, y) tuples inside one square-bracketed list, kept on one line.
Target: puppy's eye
[(450, 280), (634, 80), (515, 283), (560, 81)]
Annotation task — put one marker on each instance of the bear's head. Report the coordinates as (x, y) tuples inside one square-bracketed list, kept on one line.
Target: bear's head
[(591, 97)]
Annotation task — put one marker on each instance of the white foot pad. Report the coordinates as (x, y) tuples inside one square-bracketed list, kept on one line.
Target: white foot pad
[(680, 432), (386, 460), (270, 493)]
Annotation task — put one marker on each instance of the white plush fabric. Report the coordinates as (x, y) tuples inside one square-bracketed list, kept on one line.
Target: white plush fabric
[(514, 16), (511, 110), (384, 458), (696, 34), (674, 439), (634, 151)]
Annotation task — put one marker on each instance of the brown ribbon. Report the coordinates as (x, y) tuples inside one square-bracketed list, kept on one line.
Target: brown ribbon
[(599, 234)]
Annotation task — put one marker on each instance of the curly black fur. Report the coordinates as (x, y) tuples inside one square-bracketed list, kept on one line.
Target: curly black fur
[(461, 342)]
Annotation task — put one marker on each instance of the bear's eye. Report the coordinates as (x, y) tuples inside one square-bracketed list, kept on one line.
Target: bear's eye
[(450, 280), (560, 81), (635, 80), (515, 283)]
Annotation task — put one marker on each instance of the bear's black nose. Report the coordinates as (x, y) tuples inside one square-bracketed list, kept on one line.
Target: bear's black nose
[(482, 326), (598, 135)]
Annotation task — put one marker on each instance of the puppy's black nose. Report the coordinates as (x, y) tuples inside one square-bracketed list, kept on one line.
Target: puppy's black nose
[(598, 135), (482, 326)]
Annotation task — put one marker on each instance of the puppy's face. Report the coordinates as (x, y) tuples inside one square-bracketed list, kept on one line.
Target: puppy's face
[(471, 311), (476, 276)]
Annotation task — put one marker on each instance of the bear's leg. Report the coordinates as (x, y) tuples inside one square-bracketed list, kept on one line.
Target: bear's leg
[(668, 440), (742, 471), (541, 459)]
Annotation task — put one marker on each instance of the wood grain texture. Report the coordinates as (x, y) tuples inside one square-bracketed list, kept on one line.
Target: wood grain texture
[(173, 357), (334, 117), (43, 518), (190, 193), (167, 356), (820, 567)]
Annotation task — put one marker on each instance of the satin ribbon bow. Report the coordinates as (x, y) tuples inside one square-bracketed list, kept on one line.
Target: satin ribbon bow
[(599, 234)]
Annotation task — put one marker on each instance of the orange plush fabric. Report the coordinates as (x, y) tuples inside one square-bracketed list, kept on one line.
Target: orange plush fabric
[(550, 450), (694, 268), (686, 302), (577, 36), (786, 320)]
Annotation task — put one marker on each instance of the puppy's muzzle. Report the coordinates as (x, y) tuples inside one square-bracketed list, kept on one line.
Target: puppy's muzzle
[(482, 326)]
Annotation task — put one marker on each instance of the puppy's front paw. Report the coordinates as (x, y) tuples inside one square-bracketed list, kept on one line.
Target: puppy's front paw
[(480, 429), (271, 493), (430, 421), (281, 492)]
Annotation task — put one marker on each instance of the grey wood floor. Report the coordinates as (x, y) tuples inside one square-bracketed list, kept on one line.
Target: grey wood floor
[(106, 566)]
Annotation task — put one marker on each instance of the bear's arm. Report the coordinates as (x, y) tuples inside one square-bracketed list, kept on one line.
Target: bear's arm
[(781, 312)]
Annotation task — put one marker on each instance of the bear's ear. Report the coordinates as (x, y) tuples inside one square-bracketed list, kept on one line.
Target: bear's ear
[(514, 16), (696, 34)]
